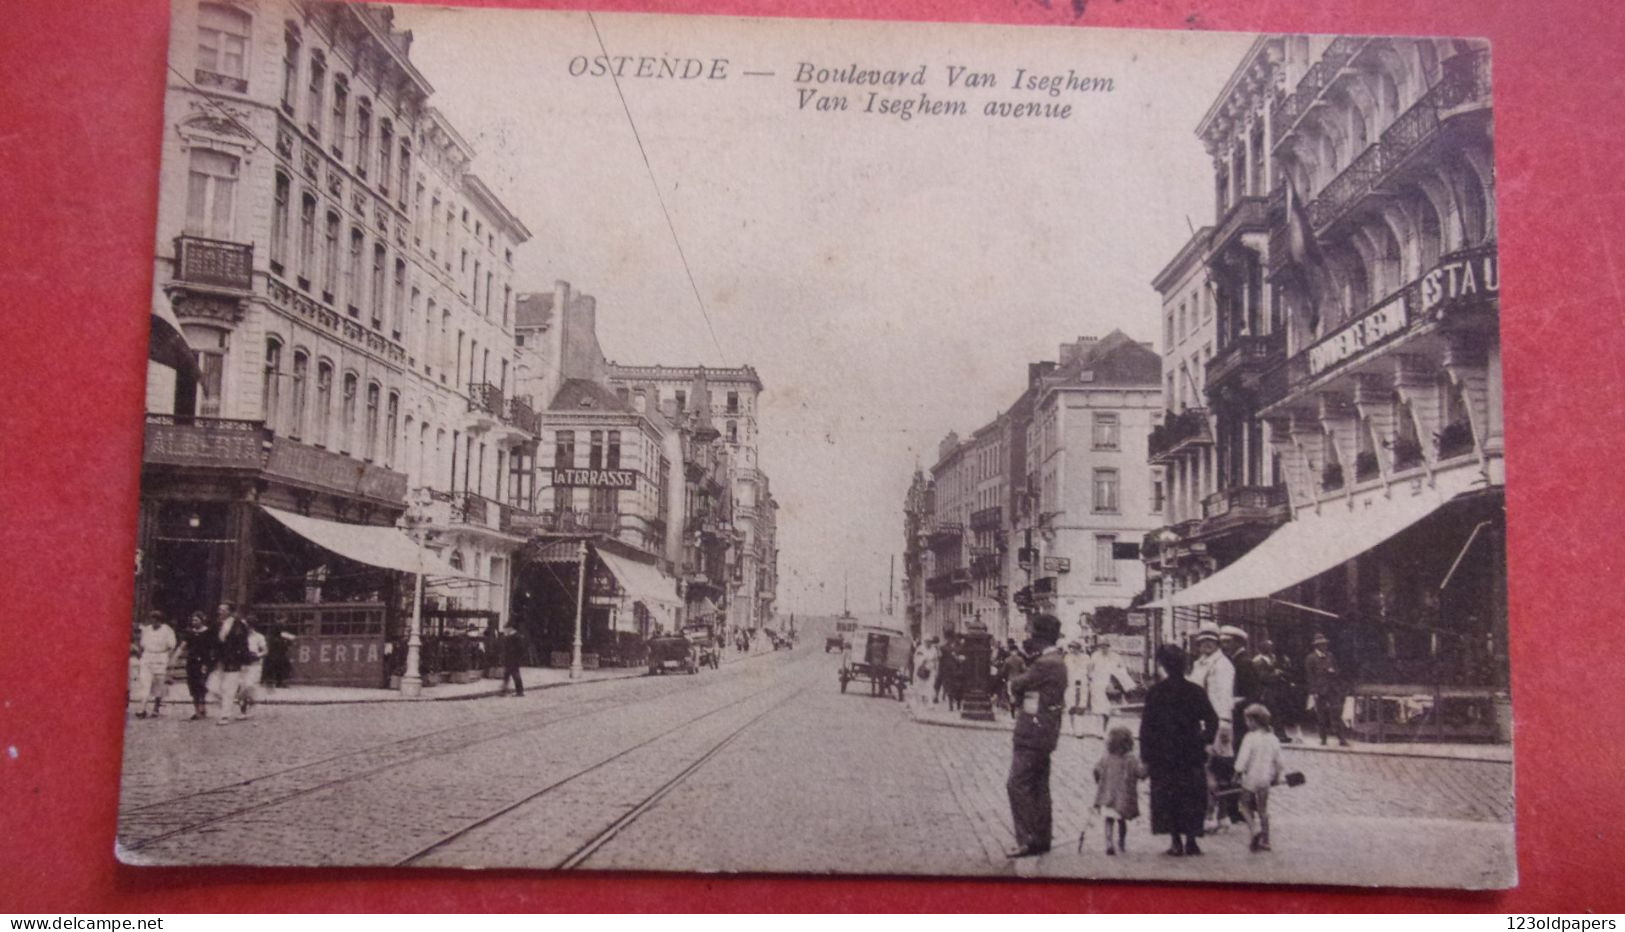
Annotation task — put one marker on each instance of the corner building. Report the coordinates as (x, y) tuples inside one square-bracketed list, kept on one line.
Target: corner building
[(1354, 393)]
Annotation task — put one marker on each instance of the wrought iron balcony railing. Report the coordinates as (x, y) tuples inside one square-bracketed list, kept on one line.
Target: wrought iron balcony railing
[(204, 261), (986, 519), (487, 398), (1244, 355), (1178, 431)]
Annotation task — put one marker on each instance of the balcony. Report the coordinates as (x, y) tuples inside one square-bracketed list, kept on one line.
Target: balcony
[(1243, 505), (1178, 432), (485, 402), (942, 584), (1466, 83), (1247, 215), (987, 519), (200, 261), (984, 561), (945, 534), (568, 522), (1290, 109), (1241, 362)]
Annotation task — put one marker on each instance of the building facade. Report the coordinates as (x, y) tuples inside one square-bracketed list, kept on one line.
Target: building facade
[(319, 300), (1356, 384)]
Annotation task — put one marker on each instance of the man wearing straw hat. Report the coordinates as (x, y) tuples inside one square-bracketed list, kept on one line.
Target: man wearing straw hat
[(1325, 688)]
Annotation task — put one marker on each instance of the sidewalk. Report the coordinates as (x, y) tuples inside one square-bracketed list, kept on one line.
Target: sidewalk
[(928, 713), (484, 688)]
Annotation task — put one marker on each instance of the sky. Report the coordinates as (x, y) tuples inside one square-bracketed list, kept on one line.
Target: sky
[(889, 279)]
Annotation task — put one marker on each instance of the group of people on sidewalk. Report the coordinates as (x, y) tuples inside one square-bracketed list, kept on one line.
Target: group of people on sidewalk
[(1209, 744), (226, 659), (1095, 676)]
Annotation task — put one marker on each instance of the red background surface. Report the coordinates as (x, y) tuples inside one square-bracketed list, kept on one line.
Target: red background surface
[(79, 139)]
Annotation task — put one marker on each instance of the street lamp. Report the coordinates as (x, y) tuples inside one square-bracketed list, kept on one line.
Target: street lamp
[(581, 606), (413, 522)]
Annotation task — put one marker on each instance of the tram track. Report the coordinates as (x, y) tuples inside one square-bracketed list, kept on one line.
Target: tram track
[(229, 796), (603, 836)]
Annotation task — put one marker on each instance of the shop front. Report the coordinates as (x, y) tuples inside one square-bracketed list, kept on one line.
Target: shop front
[(626, 601), (1408, 585)]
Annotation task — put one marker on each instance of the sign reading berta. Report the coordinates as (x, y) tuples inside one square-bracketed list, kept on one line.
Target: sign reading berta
[(596, 478)]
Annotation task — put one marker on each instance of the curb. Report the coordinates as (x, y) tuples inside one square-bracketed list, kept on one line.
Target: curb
[(493, 693), (1296, 745)]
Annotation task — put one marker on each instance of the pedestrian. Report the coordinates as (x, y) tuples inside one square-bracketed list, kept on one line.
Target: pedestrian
[(1117, 787), (956, 666), (154, 646), (232, 654), (279, 662), (513, 655), (254, 671), (200, 648), (1325, 682), (1077, 685), (1176, 730), (945, 661), (1272, 686), (1213, 671), (1258, 767), (1040, 692), (1244, 692), (1014, 665), (1104, 669)]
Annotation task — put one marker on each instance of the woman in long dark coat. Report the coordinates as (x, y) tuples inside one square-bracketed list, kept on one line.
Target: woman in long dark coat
[(1176, 729)]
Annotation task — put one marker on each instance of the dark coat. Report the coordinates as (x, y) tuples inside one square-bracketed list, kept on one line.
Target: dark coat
[(1324, 679), (513, 650), (231, 648), (1177, 725), (1247, 684), (201, 649), (1046, 678)]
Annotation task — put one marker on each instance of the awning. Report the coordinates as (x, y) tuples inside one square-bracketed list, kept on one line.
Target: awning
[(167, 344), (385, 547), (642, 582), (1312, 543)]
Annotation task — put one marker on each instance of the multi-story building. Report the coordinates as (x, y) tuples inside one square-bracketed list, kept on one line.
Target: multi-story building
[(319, 301), (918, 508), (733, 396), (948, 582), (1356, 379), (1093, 499)]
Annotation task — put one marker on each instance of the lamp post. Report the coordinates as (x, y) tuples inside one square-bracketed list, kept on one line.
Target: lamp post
[(411, 678), (581, 606)]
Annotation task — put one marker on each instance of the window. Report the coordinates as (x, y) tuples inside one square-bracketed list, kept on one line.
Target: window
[(318, 86), (488, 277), (1105, 565), (363, 135), (279, 222), (595, 452), (386, 149), (324, 401), (1157, 495), (370, 451), (301, 370), (733, 432), (222, 45), (1106, 490), (397, 312), (210, 346), (507, 299), (1105, 430), (290, 67), (341, 112), (733, 402), (604, 501), (307, 239), (564, 449), (330, 256), (434, 225), (379, 260), (211, 194), (406, 170), (612, 459), (682, 401), (352, 272), (270, 390), (476, 301), (347, 414)]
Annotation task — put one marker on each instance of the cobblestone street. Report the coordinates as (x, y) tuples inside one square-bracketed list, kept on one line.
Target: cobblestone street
[(762, 766)]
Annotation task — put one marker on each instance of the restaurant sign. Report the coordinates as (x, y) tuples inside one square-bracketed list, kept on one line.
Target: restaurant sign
[(338, 660), (213, 442), (1359, 335), (1472, 275), (333, 471), (596, 478)]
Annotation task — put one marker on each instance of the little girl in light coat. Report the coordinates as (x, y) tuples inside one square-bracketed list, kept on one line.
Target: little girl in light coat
[(1117, 787)]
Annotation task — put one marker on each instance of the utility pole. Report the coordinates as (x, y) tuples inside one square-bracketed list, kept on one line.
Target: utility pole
[(581, 607)]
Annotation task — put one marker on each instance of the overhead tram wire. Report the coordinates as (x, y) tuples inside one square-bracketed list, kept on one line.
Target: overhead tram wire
[(681, 255)]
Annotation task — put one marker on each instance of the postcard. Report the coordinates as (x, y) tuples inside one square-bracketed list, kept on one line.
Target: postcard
[(633, 442)]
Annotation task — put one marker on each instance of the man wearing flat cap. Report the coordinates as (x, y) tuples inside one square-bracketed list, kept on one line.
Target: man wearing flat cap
[(1039, 695)]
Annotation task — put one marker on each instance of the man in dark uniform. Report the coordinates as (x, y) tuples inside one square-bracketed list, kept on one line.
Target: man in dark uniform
[(513, 656), (1325, 684), (1039, 695)]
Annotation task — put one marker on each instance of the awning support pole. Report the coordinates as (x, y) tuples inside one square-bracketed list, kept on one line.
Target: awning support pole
[(1460, 556), (412, 680), (581, 606), (1308, 608)]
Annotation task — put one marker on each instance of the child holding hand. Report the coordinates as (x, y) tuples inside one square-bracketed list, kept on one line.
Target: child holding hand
[(1258, 767), (1117, 791)]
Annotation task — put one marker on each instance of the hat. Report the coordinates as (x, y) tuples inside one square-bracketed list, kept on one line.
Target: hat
[(1321, 639), (1046, 628), (1231, 631), (1206, 632)]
